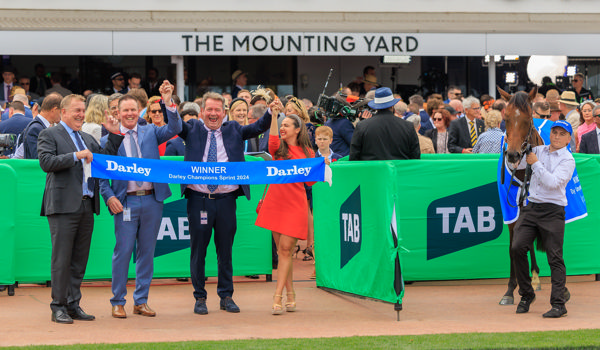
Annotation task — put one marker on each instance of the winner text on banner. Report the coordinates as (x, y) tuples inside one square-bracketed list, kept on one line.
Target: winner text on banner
[(224, 173)]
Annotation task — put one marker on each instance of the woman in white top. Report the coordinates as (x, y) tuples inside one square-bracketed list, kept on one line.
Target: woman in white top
[(95, 115)]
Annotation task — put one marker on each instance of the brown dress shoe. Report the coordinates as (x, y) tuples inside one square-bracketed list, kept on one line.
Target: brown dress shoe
[(118, 311), (143, 310)]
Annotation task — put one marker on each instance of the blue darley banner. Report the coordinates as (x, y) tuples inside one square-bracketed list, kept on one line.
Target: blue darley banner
[(575, 209), (226, 173)]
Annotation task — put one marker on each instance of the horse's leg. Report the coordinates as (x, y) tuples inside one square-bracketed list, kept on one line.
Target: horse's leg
[(508, 297), (535, 271)]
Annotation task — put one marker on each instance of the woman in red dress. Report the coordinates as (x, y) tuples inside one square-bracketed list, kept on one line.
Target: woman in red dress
[(285, 210)]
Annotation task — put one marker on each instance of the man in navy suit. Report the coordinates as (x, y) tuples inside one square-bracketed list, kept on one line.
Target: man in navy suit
[(50, 114), (426, 123), (590, 141), (212, 206), (137, 205)]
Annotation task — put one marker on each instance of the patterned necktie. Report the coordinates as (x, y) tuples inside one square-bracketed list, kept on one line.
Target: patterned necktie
[(212, 156), (473, 133), (81, 147), (134, 152)]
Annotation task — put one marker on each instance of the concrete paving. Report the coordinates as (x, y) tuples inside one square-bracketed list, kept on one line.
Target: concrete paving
[(429, 307)]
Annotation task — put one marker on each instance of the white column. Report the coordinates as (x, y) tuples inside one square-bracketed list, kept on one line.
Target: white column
[(492, 77), (179, 82)]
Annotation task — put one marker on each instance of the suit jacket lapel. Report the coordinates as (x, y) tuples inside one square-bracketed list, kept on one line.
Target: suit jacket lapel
[(140, 136), (203, 139)]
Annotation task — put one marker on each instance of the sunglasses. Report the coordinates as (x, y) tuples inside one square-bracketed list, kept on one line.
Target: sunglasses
[(597, 116), (154, 111), (438, 119), (544, 116)]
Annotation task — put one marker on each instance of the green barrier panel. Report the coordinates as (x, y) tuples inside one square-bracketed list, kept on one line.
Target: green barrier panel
[(448, 218), (354, 245), (7, 224), (31, 250)]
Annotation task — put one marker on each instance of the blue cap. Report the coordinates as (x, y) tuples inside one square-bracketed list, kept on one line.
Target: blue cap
[(563, 124)]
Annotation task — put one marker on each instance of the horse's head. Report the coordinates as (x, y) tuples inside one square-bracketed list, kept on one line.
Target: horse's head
[(519, 123)]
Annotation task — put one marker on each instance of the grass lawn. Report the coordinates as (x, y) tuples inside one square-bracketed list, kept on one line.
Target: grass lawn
[(579, 339)]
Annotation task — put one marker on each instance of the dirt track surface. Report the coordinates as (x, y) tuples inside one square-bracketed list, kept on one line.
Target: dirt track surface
[(429, 307)]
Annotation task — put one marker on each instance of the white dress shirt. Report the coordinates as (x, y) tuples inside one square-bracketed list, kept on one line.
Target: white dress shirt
[(551, 174), (221, 157)]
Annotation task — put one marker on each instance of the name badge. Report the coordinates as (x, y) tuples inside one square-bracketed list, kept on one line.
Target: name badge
[(203, 217), (126, 214)]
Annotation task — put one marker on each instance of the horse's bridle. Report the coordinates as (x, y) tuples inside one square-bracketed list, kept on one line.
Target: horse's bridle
[(525, 149)]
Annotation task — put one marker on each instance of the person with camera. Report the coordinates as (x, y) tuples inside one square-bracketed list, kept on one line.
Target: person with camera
[(285, 209), (384, 136), (544, 217), (343, 129)]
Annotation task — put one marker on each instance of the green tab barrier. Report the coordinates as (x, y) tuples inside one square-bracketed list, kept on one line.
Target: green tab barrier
[(354, 243), (448, 220), (8, 227)]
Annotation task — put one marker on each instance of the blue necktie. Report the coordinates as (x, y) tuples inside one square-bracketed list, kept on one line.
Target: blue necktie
[(212, 156), (134, 151), (81, 147)]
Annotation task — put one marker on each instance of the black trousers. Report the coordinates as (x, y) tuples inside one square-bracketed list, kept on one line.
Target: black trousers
[(220, 216), (547, 222), (71, 235)]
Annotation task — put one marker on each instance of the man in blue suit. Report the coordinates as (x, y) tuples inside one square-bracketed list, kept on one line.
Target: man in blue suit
[(212, 206), (49, 114), (137, 206), (17, 121)]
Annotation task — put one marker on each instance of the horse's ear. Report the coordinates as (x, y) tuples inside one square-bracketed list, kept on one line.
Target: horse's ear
[(532, 93), (503, 93)]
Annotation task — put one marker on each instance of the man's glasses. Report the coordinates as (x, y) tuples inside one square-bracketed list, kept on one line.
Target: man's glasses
[(544, 116)]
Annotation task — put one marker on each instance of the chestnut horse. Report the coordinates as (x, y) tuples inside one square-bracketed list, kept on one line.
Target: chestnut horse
[(521, 134)]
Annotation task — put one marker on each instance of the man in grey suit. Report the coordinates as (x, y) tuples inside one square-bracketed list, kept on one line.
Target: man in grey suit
[(69, 202)]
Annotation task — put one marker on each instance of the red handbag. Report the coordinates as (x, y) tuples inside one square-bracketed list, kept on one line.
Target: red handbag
[(260, 202)]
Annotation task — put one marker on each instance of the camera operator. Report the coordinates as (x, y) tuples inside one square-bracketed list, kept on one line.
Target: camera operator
[(544, 217), (342, 134)]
